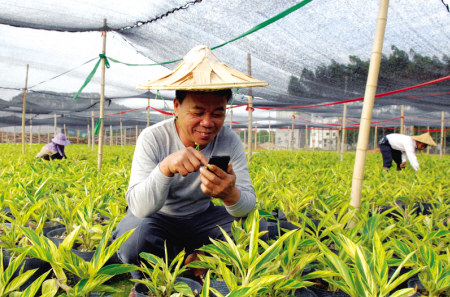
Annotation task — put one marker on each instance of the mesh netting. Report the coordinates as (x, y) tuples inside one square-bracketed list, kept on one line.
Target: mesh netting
[(313, 56)]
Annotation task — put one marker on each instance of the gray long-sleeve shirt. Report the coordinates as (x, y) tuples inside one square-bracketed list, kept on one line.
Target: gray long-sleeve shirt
[(151, 191)]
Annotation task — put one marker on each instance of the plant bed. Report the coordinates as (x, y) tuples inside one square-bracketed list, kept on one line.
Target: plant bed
[(57, 235), (28, 264)]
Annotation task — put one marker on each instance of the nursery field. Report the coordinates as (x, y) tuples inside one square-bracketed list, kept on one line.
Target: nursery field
[(399, 246)]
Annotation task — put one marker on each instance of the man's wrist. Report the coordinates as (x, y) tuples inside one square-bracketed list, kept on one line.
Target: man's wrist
[(233, 198)]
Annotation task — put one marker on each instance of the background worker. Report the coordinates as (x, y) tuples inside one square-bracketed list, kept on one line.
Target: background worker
[(54, 149), (170, 191), (399, 147)]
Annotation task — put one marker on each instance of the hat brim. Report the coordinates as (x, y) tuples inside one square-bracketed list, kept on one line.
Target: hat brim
[(57, 141), (205, 87)]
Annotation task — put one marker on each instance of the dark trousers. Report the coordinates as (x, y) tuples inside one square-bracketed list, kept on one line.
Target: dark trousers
[(389, 154), (177, 233)]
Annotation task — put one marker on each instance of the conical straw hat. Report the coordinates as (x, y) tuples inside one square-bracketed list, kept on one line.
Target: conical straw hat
[(201, 70), (425, 138)]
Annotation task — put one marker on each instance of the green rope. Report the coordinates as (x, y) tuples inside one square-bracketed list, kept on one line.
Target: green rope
[(254, 29), (88, 79), (155, 64), (97, 126), (268, 22)]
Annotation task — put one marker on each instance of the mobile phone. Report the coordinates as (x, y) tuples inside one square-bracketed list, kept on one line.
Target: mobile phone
[(220, 161)]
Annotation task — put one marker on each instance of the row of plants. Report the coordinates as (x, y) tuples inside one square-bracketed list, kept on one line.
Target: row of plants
[(401, 234)]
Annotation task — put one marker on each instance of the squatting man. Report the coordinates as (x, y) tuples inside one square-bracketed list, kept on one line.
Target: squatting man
[(171, 189), (399, 147)]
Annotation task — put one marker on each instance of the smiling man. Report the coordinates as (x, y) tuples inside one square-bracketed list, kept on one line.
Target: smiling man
[(171, 189)]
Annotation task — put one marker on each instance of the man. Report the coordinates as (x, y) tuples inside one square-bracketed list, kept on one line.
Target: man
[(171, 189), (399, 147)]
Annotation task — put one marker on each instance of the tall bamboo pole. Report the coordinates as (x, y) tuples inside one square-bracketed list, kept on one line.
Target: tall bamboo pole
[(65, 131), (250, 108), (102, 102), (88, 135), (292, 133), (314, 140), (344, 131), (256, 136), (54, 126), (366, 116), (92, 126), (330, 140), (428, 147), (231, 118), (270, 135), (148, 112), (24, 109), (136, 133), (31, 129), (402, 120), (121, 134), (110, 135), (375, 139), (442, 137), (306, 138)]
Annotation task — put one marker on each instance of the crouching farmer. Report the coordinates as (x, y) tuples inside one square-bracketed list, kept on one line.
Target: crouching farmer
[(171, 189), (399, 147)]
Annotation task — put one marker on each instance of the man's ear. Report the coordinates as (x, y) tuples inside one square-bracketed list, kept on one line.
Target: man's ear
[(176, 106)]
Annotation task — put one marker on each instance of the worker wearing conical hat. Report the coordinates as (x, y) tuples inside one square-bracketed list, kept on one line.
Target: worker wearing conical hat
[(171, 189), (399, 147)]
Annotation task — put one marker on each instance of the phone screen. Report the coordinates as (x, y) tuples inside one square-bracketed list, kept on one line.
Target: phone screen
[(220, 161)]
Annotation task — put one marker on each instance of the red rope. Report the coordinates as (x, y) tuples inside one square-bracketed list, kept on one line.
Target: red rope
[(361, 98)]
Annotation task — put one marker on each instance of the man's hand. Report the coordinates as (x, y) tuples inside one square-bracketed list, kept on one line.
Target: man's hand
[(183, 162), (220, 184), (403, 165)]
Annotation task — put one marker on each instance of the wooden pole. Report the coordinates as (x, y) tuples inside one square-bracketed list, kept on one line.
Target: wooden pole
[(344, 131), (306, 138), (78, 136), (442, 137), (366, 116), (102, 102), (48, 134), (314, 140), (375, 139), (121, 134), (110, 135), (428, 146), (250, 108), (231, 118), (402, 118), (270, 135), (65, 131), (292, 133), (24, 109), (31, 129), (92, 126), (330, 140), (54, 127), (256, 136), (148, 112)]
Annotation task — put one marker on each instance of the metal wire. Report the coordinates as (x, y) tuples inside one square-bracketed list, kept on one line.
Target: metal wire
[(141, 23)]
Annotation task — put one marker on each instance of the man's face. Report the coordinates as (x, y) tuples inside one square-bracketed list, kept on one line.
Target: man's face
[(200, 117), (421, 146)]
